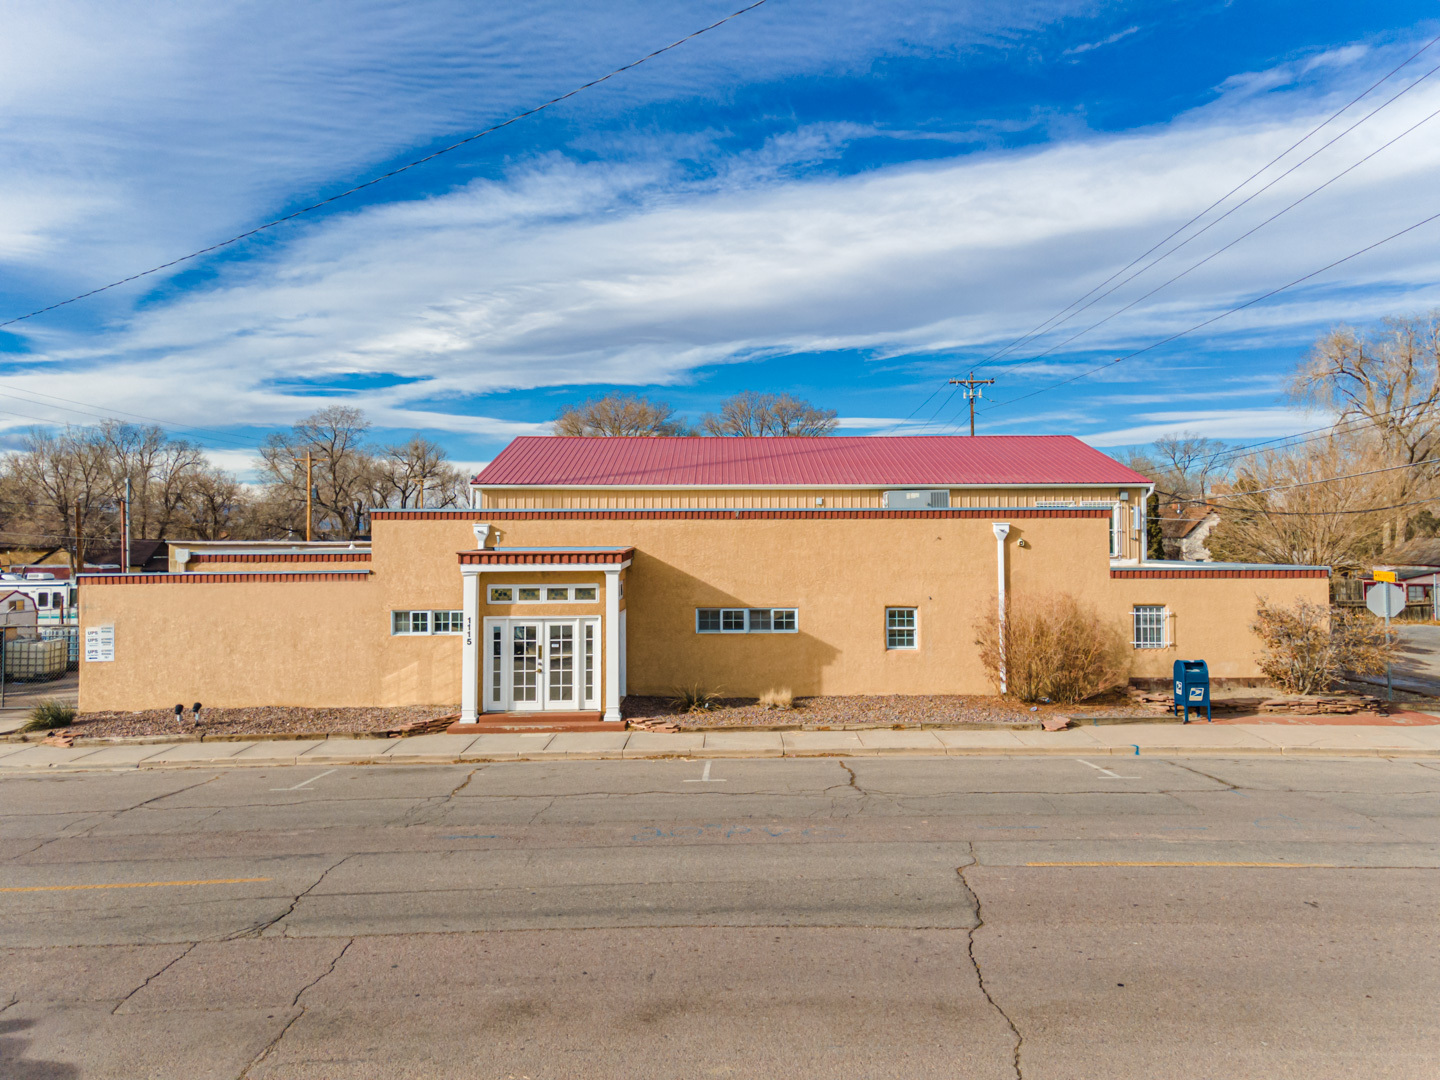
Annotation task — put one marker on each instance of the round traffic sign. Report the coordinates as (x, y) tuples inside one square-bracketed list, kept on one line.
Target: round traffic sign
[(1385, 600)]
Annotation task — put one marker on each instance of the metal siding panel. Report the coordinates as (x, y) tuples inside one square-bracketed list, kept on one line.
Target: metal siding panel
[(935, 461)]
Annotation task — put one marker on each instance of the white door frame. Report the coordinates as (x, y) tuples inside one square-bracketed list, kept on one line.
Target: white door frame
[(476, 667), (506, 702)]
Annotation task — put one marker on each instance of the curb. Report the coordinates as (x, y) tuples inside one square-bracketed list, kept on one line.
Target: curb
[(725, 754)]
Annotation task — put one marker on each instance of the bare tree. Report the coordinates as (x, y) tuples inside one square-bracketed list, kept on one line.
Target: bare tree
[(1305, 505), (619, 414), (417, 473), (751, 414), (1386, 383), (1186, 463), (214, 506), (160, 470), (63, 489), (344, 474)]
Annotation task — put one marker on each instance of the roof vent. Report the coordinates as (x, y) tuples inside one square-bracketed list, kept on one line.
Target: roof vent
[(918, 500)]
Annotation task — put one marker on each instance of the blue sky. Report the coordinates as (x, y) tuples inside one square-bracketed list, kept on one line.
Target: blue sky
[(850, 201)]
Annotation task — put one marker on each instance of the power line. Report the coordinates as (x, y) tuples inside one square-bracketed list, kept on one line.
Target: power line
[(1326, 480), (1216, 318), (1238, 187), (1221, 250), (901, 423), (1302, 513), (82, 408), (1210, 225), (1339, 427), (391, 173)]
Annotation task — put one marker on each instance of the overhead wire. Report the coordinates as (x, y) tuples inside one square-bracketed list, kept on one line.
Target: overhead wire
[(1216, 318), (1303, 513), (1220, 251), (390, 174), (1040, 328), (1209, 225)]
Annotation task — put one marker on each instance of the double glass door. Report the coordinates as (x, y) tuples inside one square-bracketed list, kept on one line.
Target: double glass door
[(539, 664)]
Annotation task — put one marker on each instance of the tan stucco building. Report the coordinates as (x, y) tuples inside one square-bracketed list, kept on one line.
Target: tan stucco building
[(591, 568)]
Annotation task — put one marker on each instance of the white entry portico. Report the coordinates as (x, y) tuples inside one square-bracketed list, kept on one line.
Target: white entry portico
[(543, 629)]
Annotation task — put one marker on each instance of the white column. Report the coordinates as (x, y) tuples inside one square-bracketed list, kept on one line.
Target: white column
[(1002, 530), (470, 651), (612, 645)]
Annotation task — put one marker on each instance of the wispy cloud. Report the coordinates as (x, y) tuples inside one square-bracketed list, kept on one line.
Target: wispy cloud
[(1090, 46), (642, 254)]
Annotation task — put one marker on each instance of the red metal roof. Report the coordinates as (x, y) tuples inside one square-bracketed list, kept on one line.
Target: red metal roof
[(896, 461)]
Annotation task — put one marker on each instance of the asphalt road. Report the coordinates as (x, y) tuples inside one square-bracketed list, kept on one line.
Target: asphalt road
[(924, 917)]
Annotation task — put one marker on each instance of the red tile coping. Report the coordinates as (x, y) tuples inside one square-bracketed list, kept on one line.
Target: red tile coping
[(986, 514), (285, 557), (221, 577), (1307, 572), (501, 557)]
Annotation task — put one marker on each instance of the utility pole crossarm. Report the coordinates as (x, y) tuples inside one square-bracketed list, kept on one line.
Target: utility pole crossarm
[(972, 391)]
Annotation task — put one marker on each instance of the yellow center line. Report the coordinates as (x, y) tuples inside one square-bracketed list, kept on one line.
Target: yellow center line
[(135, 885), (1267, 865)]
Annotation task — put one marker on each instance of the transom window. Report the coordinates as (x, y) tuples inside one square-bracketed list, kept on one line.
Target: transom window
[(1150, 626), (746, 621), (900, 624), (425, 622), (544, 594)]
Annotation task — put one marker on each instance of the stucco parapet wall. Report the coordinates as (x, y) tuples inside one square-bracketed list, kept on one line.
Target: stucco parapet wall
[(549, 557), (985, 513), (282, 557), (225, 577), (1131, 573)]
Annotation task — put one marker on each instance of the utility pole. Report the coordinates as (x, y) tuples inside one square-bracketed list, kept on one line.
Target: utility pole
[(972, 391), (125, 532), (309, 491)]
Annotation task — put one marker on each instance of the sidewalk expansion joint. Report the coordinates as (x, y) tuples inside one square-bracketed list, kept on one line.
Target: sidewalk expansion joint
[(980, 975)]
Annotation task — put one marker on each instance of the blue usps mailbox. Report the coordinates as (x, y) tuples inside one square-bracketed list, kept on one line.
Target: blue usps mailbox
[(1192, 687)]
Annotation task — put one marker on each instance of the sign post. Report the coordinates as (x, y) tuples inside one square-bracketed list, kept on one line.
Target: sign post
[(1386, 599)]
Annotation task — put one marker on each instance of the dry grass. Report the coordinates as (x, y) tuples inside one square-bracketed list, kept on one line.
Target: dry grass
[(50, 714), (778, 699), (1055, 649), (694, 698)]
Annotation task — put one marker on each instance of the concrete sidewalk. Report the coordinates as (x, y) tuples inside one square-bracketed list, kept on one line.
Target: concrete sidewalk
[(1126, 740)]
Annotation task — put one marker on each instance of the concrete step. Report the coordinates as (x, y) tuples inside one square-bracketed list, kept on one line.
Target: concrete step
[(491, 723)]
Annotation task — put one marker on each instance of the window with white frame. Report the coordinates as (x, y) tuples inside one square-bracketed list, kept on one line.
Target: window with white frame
[(425, 622), (445, 622), (746, 621), (543, 594), (1117, 531), (900, 625), (1151, 625)]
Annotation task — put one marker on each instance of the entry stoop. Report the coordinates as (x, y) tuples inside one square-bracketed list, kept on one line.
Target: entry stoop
[(490, 723)]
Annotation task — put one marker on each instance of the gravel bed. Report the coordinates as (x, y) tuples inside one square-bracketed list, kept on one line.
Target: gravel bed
[(263, 720), (887, 711)]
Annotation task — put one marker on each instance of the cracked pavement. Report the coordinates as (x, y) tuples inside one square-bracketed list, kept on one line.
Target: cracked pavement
[(851, 917)]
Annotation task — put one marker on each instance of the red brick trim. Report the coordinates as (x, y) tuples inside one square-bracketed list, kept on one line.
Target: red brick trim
[(990, 514), (1308, 572), (220, 577), (285, 557), (533, 558)]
